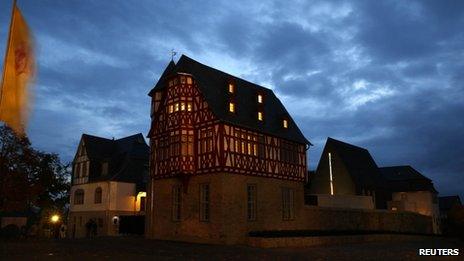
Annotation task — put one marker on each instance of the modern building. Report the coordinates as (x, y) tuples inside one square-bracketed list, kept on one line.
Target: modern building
[(411, 191), (447, 203), (451, 215), (108, 183), (346, 176), (226, 157)]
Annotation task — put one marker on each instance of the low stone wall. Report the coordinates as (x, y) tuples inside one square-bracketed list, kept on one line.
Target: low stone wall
[(345, 201), (18, 221), (319, 218), (274, 242)]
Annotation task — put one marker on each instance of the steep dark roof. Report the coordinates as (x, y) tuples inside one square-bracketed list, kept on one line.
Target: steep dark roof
[(161, 82), (446, 203), (97, 147), (127, 157), (358, 162), (406, 178), (213, 86)]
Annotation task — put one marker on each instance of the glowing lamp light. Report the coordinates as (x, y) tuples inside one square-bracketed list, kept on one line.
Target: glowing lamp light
[(54, 218)]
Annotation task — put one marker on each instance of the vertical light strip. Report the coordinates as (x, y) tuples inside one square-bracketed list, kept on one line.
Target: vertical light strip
[(331, 177)]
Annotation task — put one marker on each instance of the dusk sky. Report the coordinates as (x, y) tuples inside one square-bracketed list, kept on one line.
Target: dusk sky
[(384, 75)]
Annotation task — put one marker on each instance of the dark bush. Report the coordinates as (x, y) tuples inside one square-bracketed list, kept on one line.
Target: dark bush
[(10, 231)]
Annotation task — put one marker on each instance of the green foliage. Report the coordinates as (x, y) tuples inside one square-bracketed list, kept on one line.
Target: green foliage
[(29, 177)]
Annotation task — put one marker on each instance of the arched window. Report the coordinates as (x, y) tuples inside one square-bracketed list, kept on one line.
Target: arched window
[(79, 197), (98, 195)]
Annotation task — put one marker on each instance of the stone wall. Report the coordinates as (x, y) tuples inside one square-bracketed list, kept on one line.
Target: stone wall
[(345, 201), (367, 220), (327, 240), (228, 222), (17, 221)]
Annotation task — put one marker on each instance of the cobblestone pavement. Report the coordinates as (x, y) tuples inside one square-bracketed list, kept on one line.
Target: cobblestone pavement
[(137, 248)]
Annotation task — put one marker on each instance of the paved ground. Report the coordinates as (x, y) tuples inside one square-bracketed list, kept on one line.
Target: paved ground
[(134, 248)]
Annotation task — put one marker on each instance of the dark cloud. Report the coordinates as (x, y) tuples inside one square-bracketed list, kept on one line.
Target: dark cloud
[(386, 75)]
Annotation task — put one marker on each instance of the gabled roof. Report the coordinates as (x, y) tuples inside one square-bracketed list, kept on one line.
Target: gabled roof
[(446, 203), (127, 157), (213, 86), (358, 162), (161, 82), (405, 172), (97, 147), (406, 178)]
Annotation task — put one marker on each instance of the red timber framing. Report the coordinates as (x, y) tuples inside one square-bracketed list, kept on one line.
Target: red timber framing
[(187, 139)]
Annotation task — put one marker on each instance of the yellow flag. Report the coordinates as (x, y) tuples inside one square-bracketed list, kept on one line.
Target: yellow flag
[(18, 73)]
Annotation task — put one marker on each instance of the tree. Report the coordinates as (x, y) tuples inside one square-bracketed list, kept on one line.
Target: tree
[(15, 158), (29, 177)]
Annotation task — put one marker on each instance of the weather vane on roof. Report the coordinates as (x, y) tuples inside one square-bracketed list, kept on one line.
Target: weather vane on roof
[(173, 53)]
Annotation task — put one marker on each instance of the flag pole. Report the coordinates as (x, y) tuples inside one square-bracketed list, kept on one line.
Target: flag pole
[(6, 53)]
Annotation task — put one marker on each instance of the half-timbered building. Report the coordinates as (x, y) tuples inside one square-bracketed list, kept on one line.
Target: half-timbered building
[(226, 157)]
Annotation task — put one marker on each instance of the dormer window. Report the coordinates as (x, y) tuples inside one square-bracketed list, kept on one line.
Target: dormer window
[(231, 88), (231, 107), (260, 98), (189, 80), (285, 124), (260, 116)]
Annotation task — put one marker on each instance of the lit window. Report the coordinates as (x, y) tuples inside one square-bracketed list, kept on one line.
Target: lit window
[(182, 79), (189, 106), (176, 107), (231, 88), (231, 107), (260, 98), (189, 80), (182, 106), (394, 209), (285, 123), (171, 108), (260, 116)]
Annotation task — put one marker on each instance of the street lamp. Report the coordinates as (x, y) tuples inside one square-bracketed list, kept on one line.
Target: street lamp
[(55, 218)]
